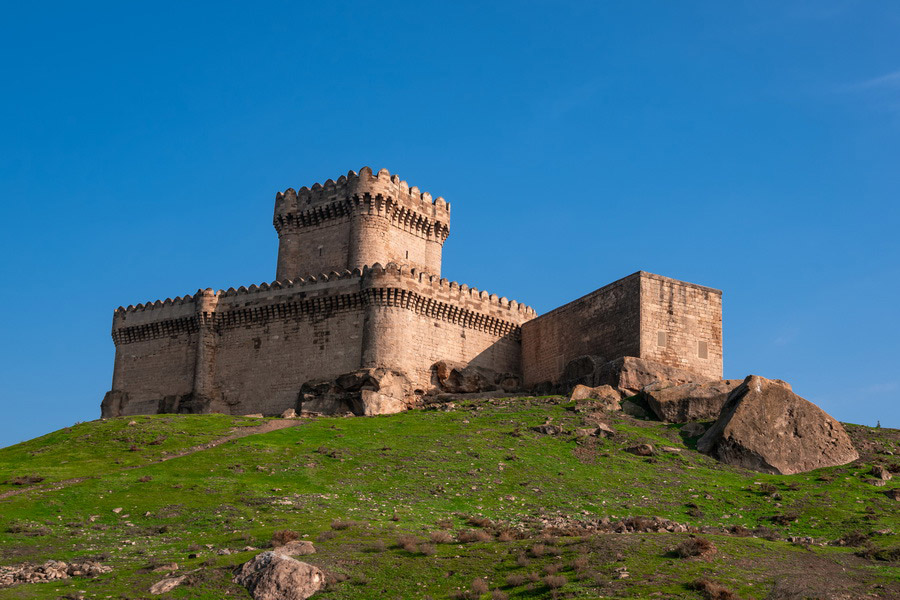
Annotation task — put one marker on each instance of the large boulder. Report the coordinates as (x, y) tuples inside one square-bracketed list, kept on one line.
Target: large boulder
[(365, 392), (766, 427), (632, 374), (689, 401), (460, 378), (275, 576)]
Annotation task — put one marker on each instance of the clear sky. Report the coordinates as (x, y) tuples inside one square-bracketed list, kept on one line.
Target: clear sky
[(749, 146)]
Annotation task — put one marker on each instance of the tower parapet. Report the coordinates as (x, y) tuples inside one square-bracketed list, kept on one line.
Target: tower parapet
[(358, 220)]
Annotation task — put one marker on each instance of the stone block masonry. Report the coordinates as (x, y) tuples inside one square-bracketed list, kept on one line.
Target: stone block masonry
[(643, 315), (358, 287)]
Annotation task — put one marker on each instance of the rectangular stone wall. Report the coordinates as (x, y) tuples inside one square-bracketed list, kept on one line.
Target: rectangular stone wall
[(153, 369), (605, 323), (265, 343), (681, 324)]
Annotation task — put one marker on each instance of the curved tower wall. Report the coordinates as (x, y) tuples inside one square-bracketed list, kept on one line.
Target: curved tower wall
[(358, 220)]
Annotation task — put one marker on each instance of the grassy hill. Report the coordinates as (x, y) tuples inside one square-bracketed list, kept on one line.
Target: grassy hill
[(373, 493)]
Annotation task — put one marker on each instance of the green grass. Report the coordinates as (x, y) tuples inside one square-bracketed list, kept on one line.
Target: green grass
[(403, 474)]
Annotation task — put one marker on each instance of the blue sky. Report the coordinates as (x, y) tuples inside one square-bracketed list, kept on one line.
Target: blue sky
[(752, 147)]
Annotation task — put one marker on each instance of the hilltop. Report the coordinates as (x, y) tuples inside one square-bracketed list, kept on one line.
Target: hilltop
[(421, 504)]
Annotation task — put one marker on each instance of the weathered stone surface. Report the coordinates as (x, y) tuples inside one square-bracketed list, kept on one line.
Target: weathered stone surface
[(689, 401), (882, 473), (50, 570), (274, 576), (634, 374), (548, 429), (166, 585), (636, 410), (296, 548), (640, 450), (766, 427), (603, 397), (459, 378), (580, 371), (692, 430), (365, 392), (289, 414)]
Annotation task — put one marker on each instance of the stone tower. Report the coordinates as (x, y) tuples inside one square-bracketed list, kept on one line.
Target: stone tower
[(359, 220)]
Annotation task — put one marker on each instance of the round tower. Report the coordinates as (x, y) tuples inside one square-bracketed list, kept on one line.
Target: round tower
[(358, 220)]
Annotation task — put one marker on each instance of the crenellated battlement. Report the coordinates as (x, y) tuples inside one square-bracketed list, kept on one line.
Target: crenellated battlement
[(369, 276), (364, 193)]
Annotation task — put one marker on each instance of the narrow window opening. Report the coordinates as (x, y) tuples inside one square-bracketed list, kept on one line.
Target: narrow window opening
[(320, 250), (702, 350), (407, 254), (661, 339)]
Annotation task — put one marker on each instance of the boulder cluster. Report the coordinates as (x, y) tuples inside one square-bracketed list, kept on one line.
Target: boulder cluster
[(51, 570), (758, 423)]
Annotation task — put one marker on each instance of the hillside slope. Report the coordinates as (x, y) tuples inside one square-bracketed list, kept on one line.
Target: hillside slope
[(371, 492)]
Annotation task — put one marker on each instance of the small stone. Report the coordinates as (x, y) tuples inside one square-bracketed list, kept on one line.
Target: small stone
[(117, 510)]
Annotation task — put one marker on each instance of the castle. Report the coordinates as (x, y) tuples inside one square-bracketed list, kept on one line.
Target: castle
[(358, 318)]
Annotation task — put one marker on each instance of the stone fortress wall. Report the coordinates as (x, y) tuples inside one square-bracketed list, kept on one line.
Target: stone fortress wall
[(358, 289), (642, 315)]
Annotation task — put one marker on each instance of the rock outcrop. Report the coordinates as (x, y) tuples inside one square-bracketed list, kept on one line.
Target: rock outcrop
[(766, 427), (603, 397), (274, 576), (459, 378), (365, 392), (689, 401), (631, 374), (50, 570)]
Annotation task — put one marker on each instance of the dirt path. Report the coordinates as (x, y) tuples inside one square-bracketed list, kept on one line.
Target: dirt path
[(236, 434)]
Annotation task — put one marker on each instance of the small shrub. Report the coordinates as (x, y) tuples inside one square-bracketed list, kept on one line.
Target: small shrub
[(340, 524), (326, 535), (854, 538), (533, 577), (441, 537), (410, 543), (133, 448), (25, 480), (552, 569), (378, 546), (522, 560), (766, 534), (479, 522), (580, 563), (555, 581), (283, 536), (157, 441), (498, 595), (360, 579), (713, 591), (784, 519), (515, 580), (695, 512), (145, 479), (427, 549), (468, 535), (694, 546), (766, 488), (505, 536), (445, 524), (479, 586), (483, 536), (739, 530), (538, 550)]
